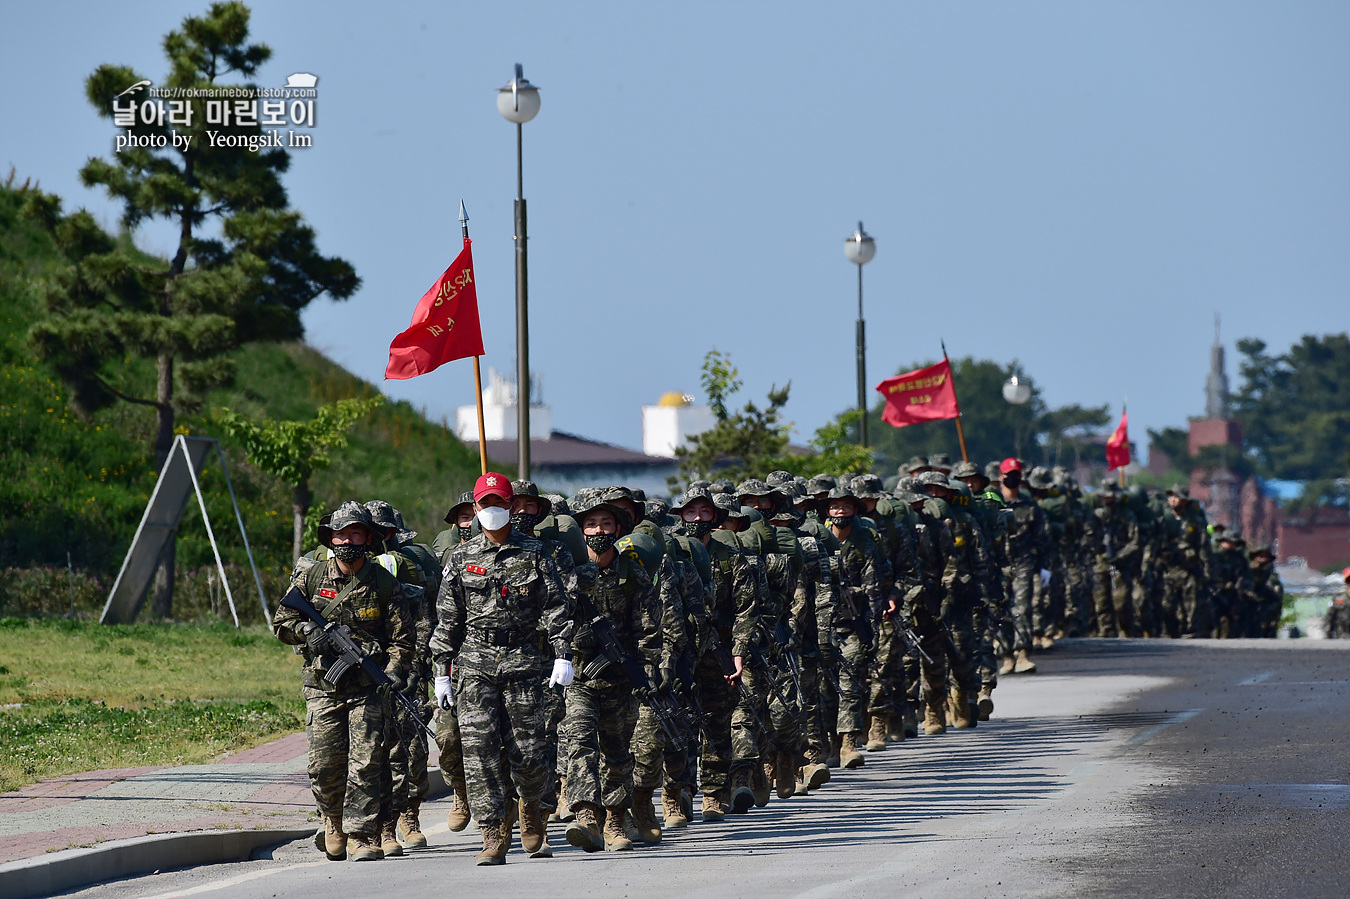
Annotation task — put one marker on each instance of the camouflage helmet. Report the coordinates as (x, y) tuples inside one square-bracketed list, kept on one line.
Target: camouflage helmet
[(558, 502), (588, 501), (940, 461), (404, 534), (1180, 490), (658, 512), (730, 506), (908, 483), (1108, 487), (991, 471), (722, 485), (643, 549), (531, 489), (821, 483), (908, 497), (639, 495), (707, 485), (960, 490), (617, 495), (915, 465), (697, 493), (840, 493), (382, 514), (867, 486), (1039, 479), (932, 479), (966, 470), (344, 516), (779, 479), (465, 499), (753, 487)]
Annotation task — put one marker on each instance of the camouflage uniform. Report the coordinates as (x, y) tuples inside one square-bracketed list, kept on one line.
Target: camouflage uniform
[(346, 725), (1117, 565), (857, 566), (1028, 542), (1185, 553), (1267, 593), (492, 602)]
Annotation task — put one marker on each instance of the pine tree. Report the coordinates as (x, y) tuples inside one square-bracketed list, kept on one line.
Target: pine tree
[(245, 265)]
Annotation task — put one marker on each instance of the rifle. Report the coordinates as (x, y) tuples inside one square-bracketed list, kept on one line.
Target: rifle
[(911, 639), (757, 657), (722, 656), (783, 638), (663, 706), (351, 655)]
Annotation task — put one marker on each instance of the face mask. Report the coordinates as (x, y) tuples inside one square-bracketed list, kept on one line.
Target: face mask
[(524, 521), (494, 518), (600, 543), (698, 529), (842, 522), (348, 553)]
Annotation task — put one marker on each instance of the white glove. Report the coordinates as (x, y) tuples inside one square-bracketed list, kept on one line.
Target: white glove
[(445, 693), (562, 673), (1045, 577)]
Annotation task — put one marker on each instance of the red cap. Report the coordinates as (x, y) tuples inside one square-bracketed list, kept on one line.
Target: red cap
[(495, 483), (1009, 464)]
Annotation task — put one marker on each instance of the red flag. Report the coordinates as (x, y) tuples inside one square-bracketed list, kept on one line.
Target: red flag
[(444, 325), (1118, 447), (924, 395)]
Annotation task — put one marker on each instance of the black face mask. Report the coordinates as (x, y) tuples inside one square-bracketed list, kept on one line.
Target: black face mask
[(601, 543), (1012, 483), (842, 522), (698, 529), (524, 521), (348, 553)]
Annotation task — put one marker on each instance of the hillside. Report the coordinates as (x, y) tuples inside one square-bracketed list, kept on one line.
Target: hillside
[(79, 486)]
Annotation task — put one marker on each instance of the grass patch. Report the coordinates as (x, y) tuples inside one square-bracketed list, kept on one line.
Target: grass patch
[(95, 696)]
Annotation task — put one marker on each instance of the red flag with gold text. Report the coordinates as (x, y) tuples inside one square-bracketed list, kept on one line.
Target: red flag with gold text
[(1118, 446), (444, 326), (927, 394)]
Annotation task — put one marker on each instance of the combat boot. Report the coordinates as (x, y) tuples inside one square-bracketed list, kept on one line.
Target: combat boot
[(564, 812), (1007, 665), (584, 831), (459, 810), (495, 844), (630, 828), (363, 847), (331, 841), (815, 774), (785, 774), (761, 782), (911, 724), (411, 825), (533, 830), (713, 810), (876, 734), (960, 709), (849, 756), (895, 729), (934, 721), (389, 843), (985, 704), (616, 834), (832, 760), (742, 797), (1024, 665), (509, 823), (644, 818), (671, 813), (687, 801)]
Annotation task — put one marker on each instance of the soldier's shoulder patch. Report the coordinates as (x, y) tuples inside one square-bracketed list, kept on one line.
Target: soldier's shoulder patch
[(475, 569), (368, 613), (327, 593)]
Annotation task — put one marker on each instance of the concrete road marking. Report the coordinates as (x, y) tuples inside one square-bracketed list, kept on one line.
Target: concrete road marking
[(231, 881), (1256, 679)]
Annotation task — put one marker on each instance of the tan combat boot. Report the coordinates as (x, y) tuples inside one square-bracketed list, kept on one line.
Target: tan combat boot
[(616, 834), (876, 734), (960, 706), (495, 843), (713, 810), (1007, 665), (389, 843), (986, 701), (815, 774), (331, 841), (509, 822), (363, 847), (761, 782), (895, 728), (564, 811), (849, 756), (644, 818), (584, 831), (1024, 665), (742, 797), (459, 809), (934, 719), (785, 774), (832, 760), (671, 813), (534, 831), (411, 825)]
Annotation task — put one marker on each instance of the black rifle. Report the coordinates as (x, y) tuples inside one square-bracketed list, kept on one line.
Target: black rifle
[(722, 656), (350, 654), (664, 707), (907, 634), (758, 658)]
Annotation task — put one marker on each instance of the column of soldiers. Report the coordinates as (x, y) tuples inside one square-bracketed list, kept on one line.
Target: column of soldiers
[(576, 655)]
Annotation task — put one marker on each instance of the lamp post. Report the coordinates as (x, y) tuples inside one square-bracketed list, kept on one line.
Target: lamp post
[(518, 102), (1017, 391), (860, 248)]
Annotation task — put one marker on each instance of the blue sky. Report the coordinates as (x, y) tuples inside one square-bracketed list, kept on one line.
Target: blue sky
[(1077, 185)]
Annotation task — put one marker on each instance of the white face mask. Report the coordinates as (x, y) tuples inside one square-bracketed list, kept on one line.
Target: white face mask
[(494, 518)]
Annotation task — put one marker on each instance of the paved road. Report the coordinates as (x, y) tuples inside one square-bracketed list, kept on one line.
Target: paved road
[(1123, 768)]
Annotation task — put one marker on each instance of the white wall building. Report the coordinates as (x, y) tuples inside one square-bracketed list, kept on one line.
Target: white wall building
[(671, 424)]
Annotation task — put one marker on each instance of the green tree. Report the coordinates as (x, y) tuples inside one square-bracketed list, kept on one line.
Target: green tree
[(1295, 408), (748, 443), (836, 450), (244, 267), (294, 450)]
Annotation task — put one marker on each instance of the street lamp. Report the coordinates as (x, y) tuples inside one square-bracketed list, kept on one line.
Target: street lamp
[(1016, 391), (860, 248), (518, 102)]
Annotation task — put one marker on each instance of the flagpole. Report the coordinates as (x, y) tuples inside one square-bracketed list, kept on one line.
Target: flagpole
[(960, 432), (1124, 408), (477, 372)]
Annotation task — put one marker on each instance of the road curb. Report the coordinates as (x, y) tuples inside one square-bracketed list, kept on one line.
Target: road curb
[(69, 869)]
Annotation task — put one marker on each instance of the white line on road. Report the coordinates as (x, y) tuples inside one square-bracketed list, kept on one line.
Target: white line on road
[(1256, 679), (231, 881)]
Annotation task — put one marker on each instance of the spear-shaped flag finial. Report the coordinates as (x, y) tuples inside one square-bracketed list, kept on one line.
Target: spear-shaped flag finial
[(463, 219)]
